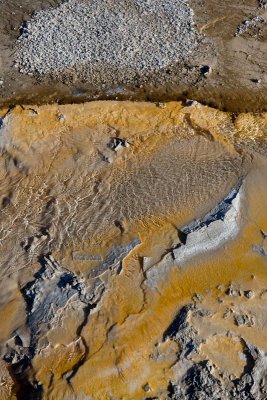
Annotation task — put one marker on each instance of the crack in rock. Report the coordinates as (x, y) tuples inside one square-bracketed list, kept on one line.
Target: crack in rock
[(217, 227), (52, 288), (202, 235), (115, 257), (48, 296)]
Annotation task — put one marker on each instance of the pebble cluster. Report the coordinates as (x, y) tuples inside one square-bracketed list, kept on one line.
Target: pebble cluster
[(129, 36)]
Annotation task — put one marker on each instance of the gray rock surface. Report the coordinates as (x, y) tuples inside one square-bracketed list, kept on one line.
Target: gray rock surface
[(200, 381)]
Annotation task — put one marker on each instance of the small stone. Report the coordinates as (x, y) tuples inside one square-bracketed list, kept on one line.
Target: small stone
[(190, 103), (146, 387), (61, 117), (232, 292), (249, 294), (205, 70), (107, 159), (117, 143), (255, 80), (197, 297), (262, 4), (244, 320), (161, 105)]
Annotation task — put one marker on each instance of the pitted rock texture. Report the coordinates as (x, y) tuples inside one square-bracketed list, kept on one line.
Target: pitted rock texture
[(100, 203)]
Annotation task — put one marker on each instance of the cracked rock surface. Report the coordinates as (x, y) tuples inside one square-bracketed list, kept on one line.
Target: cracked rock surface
[(133, 252)]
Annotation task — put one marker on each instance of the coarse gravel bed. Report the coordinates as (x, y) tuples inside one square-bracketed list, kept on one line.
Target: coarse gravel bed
[(97, 39)]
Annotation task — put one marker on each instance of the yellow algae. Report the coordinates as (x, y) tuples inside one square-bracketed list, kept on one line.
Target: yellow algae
[(228, 264), (60, 360), (251, 127), (68, 194), (217, 350)]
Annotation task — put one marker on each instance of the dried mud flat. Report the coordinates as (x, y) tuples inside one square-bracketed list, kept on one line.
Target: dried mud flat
[(133, 252)]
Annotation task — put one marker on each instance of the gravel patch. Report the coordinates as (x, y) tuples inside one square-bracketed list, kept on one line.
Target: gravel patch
[(99, 38), (254, 25)]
